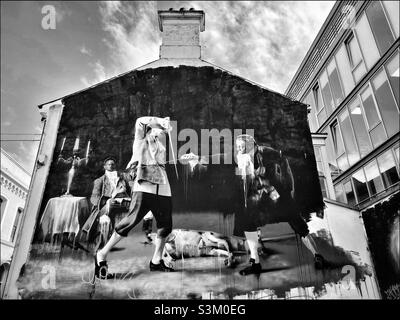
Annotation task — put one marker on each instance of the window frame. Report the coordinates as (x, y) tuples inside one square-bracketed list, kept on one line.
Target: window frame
[(316, 89), (335, 123), (355, 192), (344, 110), (363, 89), (382, 68), (391, 150), (333, 61), (364, 117), (16, 224), (373, 31)]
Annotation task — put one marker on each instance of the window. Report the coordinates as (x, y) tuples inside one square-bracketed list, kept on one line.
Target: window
[(380, 26), (348, 137), (334, 82), (331, 156), (377, 133), (326, 93), (397, 155), (3, 204), (367, 43), (360, 129), (319, 106), (349, 193), (386, 103), (339, 194), (344, 67), (355, 58), (318, 159), (311, 116), (339, 147), (360, 185), (392, 68), (392, 11), (15, 226), (388, 169), (373, 176)]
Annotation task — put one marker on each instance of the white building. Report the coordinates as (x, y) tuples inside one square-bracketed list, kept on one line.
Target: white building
[(14, 188)]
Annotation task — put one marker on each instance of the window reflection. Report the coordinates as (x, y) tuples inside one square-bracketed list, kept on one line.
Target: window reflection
[(360, 185), (374, 180), (348, 137), (392, 68), (334, 82), (339, 194), (349, 193), (380, 26), (360, 129), (326, 93), (388, 169), (386, 103)]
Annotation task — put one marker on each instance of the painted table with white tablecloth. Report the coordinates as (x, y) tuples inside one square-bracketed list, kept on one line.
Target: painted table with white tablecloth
[(64, 215)]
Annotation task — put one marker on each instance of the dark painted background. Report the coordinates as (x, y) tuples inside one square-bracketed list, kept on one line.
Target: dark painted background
[(197, 98)]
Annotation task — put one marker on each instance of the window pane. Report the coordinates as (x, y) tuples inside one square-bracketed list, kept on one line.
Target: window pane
[(386, 103), (321, 117), (354, 51), (360, 185), (367, 43), (374, 180), (343, 164), (312, 120), (318, 98), (359, 72), (348, 137), (397, 154), (392, 11), (393, 74), (339, 194), (337, 140), (379, 26), (344, 69), (334, 82), (370, 108), (378, 135), (330, 153), (360, 129), (348, 191), (322, 182), (387, 167), (326, 93)]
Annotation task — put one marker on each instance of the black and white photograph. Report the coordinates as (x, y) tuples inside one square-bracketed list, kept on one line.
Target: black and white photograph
[(190, 150)]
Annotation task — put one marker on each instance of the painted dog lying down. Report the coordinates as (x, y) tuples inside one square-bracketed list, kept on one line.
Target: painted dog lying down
[(185, 243)]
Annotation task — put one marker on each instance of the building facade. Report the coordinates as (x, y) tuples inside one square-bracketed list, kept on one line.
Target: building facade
[(350, 80), (14, 188)]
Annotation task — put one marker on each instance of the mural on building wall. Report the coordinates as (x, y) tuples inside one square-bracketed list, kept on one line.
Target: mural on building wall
[(382, 226), (238, 168)]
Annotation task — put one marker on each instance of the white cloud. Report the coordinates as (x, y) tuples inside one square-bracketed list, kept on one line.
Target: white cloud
[(132, 33), (99, 74), (262, 41), (85, 51)]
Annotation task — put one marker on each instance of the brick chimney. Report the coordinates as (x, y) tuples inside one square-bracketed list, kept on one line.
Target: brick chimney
[(181, 33)]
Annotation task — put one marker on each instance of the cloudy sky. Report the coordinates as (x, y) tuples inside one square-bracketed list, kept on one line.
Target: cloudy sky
[(262, 41)]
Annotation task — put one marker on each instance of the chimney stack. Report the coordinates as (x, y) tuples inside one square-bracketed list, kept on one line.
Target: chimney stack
[(181, 33)]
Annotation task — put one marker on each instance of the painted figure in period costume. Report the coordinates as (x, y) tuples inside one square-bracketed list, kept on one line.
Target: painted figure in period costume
[(268, 191), (151, 191), (110, 196)]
